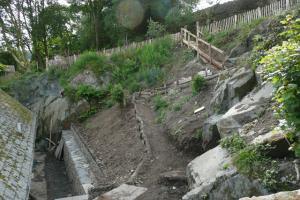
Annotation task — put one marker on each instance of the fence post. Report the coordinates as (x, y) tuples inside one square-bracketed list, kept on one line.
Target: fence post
[(197, 29), (235, 21), (210, 58), (259, 12), (287, 3)]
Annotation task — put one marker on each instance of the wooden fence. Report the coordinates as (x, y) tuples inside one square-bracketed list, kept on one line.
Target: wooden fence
[(64, 62), (205, 50), (272, 9)]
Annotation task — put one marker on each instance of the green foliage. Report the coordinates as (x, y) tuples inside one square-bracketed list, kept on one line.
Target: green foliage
[(160, 103), (252, 160), (227, 40), (160, 106), (155, 29), (199, 134), (2, 68), (282, 67), (198, 83), (89, 93), (88, 60), (117, 94), (234, 143), (178, 17), (87, 114), (155, 54)]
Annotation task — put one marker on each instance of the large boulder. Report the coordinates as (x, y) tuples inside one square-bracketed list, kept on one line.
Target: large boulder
[(250, 108), (210, 134), (208, 167), (212, 176), (232, 90), (277, 138), (287, 195)]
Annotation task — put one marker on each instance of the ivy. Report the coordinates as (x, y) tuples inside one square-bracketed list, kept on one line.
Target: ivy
[(282, 66)]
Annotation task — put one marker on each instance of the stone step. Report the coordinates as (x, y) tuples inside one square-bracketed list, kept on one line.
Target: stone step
[(123, 192)]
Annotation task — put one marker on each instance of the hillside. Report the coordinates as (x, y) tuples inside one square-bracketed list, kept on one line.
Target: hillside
[(212, 115)]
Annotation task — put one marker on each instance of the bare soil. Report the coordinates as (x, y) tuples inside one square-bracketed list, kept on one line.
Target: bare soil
[(165, 157), (113, 138)]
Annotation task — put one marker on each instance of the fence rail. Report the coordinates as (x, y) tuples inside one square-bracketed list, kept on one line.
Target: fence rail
[(234, 21), (205, 50), (64, 62)]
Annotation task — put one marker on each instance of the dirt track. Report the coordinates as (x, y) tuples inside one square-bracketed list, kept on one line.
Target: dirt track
[(165, 157)]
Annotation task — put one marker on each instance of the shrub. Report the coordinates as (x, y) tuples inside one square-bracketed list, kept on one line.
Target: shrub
[(2, 68), (160, 103), (151, 76), (252, 160), (155, 29), (88, 60), (282, 67), (89, 93), (117, 94), (198, 83)]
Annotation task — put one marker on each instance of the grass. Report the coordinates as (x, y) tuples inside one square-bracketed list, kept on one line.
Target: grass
[(227, 40), (253, 161), (160, 106)]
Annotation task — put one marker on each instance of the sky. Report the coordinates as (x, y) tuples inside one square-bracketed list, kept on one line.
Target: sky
[(204, 4), (201, 5)]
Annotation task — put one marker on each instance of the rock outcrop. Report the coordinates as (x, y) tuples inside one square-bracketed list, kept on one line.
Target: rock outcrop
[(86, 77), (212, 176), (233, 89), (288, 195), (250, 108)]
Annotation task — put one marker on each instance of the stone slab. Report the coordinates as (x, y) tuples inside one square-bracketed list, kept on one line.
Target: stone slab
[(123, 192)]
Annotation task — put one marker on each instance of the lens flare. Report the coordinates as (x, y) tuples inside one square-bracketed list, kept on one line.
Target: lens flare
[(130, 13)]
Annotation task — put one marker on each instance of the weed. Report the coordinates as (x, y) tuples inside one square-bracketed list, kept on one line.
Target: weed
[(199, 134), (197, 84)]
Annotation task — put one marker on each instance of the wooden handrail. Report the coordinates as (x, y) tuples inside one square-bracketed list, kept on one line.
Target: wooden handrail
[(196, 45)]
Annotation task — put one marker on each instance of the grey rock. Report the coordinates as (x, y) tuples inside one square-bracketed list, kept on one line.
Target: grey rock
[(173, 177), (287, 195), (210, 135), (232, 90), (250, 108), (205, 169), (123, 192), (212, 176), (277, 139), (86, 77)]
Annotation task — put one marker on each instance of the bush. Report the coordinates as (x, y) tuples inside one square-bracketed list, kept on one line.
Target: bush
[(178, 17), (151, 76), (282, 67), (89, 93), (2, 68), (252, 160), (198, 83), (160, 103), (155, 29), (88, 60), (117, 94)]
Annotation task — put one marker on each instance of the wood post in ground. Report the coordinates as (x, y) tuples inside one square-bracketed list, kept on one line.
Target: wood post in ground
[(210, 58), (287, 3)]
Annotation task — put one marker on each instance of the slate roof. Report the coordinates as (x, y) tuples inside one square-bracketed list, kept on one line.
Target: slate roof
[(17, 134)]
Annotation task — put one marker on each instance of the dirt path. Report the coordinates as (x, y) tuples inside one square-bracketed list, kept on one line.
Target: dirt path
[(165, 157), (58, 184)]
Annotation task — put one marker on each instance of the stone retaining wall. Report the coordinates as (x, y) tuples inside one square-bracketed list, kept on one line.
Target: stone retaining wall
[(77, 166)]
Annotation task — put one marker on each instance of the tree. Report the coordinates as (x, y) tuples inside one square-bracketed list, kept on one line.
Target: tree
[(155, 29)]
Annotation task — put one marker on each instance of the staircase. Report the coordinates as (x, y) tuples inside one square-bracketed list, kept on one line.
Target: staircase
[(205, 50)]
